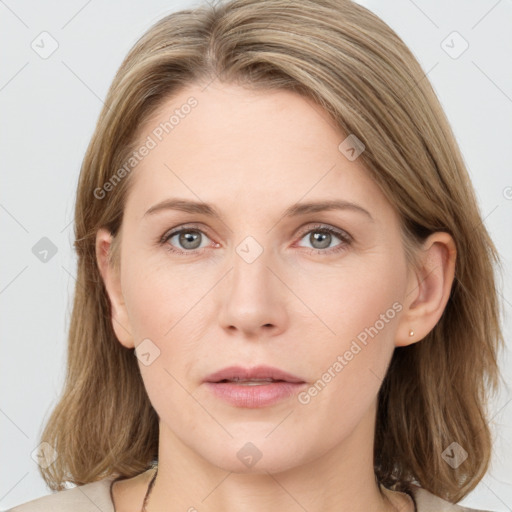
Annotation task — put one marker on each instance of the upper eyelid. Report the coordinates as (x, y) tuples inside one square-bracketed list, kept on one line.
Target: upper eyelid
[(183, 227), (321, 226)]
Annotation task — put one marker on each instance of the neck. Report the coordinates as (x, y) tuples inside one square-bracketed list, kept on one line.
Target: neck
[(340, 479)]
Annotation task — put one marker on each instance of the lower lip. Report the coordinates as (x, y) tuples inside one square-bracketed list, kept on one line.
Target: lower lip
[(254, 396)]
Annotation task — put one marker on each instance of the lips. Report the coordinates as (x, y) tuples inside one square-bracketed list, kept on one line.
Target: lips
[(261, 386), (256, 374)]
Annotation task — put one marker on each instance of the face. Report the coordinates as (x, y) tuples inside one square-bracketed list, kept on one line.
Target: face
[(315, 292)]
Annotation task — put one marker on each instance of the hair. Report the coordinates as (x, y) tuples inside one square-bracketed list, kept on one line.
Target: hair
[(352, 64)]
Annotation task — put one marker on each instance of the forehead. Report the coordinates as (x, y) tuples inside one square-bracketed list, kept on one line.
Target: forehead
[(225, 143)]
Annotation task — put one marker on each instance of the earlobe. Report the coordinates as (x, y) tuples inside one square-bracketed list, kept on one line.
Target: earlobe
[(428, 289), (112, 280)]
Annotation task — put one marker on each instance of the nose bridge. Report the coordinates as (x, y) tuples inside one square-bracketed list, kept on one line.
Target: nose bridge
[(250, 277), (251, 298)]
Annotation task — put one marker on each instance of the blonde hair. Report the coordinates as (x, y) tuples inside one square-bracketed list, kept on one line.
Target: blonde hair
[(359, 71)]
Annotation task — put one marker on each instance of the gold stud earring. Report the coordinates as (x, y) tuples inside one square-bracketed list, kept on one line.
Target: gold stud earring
[(411, 333)]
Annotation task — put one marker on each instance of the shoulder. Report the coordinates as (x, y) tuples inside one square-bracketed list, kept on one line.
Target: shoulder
[(96, 496), (428, 502), (84, 498)]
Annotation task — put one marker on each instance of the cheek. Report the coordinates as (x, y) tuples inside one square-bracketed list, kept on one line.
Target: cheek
[(348, 300), (149, 306), (158, 295), (357, 313), (160, 303)]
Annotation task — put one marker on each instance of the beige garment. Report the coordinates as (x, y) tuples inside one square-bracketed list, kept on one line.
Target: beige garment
[(95, 497)]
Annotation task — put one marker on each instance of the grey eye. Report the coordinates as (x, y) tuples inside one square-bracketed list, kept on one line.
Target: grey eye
[(188, 239)]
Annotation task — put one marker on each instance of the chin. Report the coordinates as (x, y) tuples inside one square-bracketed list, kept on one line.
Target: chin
[(254, 454)]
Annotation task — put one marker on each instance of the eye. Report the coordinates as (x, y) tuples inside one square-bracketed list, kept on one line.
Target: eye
[(321, 237), (189, 239)]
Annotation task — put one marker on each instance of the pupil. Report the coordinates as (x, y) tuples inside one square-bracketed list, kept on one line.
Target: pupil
[(188, 240), (325, 239)]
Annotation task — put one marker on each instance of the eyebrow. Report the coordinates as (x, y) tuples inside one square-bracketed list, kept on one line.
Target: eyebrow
[(295, 210)]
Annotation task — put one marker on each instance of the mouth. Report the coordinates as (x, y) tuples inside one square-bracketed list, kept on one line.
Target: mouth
[(253, 388)]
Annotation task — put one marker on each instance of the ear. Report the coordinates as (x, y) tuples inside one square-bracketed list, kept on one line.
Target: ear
[(112, 280), (428, 289)]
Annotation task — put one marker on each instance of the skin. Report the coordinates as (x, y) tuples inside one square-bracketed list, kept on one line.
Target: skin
[(251, 155)]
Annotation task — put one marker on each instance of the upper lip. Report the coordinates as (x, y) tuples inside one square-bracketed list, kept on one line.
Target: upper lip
[(257, 372)]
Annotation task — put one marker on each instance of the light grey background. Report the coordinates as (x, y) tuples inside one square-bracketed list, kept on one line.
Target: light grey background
[(49, 107)]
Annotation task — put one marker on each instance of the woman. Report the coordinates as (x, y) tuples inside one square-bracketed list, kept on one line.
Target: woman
[(286, 294)]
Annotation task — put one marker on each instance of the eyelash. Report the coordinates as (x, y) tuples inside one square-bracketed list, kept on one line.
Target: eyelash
[(345, 238)]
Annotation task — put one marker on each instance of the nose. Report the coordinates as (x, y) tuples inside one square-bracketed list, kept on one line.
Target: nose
[(253, 298)]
